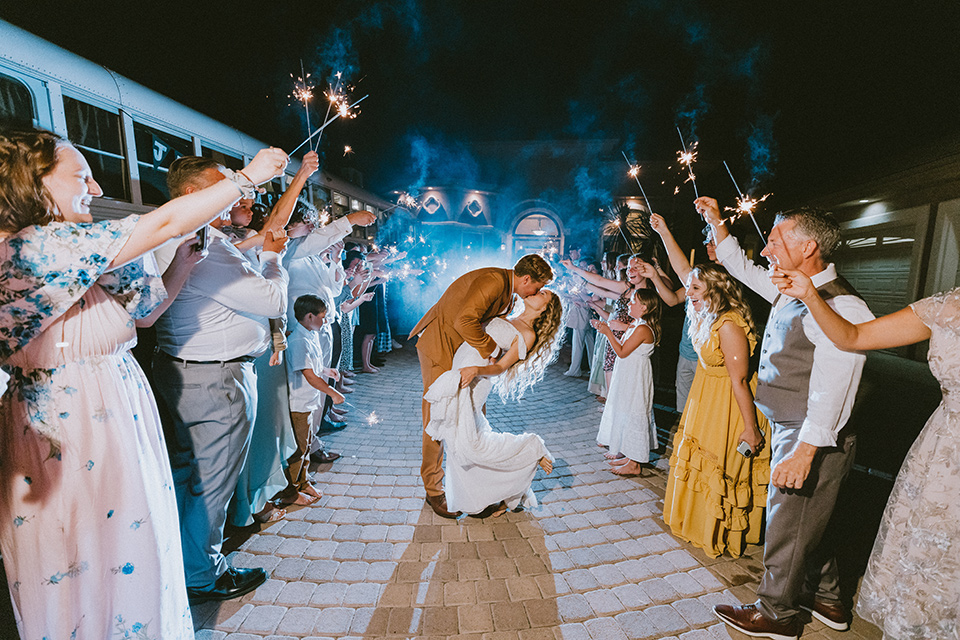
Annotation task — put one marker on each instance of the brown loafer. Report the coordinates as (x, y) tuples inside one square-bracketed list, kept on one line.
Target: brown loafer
[(748, 619), (439, 505), (831, 613)]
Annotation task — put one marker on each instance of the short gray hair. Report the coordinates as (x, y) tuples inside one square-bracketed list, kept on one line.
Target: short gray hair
[(815, 224), (185, 171)]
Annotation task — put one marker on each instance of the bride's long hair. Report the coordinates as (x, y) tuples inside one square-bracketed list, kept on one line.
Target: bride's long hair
[(514, 382)]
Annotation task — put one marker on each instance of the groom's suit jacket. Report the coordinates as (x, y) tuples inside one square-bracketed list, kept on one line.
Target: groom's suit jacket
[(471, 301)]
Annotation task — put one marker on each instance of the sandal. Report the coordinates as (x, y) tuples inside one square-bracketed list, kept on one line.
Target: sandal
[(270, 513)]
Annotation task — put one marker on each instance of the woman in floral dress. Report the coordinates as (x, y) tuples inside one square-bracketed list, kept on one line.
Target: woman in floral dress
[(911, 588), (88, 518)]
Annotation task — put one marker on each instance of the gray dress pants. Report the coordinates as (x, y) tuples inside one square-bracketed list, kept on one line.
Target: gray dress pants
[(210, 409), (798, 564)]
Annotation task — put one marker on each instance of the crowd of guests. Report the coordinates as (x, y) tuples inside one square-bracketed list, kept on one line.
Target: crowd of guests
[(762, 450), (258, 313)]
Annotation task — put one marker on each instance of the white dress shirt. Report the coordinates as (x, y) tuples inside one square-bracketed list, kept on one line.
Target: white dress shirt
[(836, 373), (221, 313), (304, 351)]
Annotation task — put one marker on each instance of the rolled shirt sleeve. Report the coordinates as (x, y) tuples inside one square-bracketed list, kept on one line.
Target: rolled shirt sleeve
[(834, 378), (736, 262)]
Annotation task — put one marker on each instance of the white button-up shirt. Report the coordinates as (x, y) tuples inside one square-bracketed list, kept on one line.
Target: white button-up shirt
[(835, 376), (221, 313)]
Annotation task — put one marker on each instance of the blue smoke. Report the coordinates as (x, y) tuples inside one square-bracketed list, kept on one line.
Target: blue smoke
[(761, 149)]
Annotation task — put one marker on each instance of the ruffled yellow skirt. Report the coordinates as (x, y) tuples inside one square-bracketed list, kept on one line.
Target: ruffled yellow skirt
[(715, 497)]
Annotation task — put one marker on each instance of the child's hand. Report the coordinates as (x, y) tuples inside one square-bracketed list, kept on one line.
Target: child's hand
[(276, 358), (616, 325), (332, 373), (336, 396)]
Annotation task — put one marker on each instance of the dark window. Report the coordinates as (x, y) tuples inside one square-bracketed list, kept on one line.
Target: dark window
[(16, 103), (230, 162), (97, 133), (155, 151)]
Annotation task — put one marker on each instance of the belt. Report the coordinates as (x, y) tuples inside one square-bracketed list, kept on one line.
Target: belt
[(220, 362)]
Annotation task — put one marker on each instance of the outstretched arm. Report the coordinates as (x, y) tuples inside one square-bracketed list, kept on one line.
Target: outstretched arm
[(188, 213), (188, 254), (596, 279), (640, 335), (507, 360), (895, 330), (678, 261), (282, 211)]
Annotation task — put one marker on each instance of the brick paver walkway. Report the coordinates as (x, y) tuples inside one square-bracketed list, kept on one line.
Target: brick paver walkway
[(370, 560)]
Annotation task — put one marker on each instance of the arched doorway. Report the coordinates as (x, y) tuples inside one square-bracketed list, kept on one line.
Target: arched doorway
[(536, 228)]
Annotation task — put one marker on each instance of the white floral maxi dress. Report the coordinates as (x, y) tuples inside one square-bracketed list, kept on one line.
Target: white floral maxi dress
[(88, 517), (483, 467), (911, 589)]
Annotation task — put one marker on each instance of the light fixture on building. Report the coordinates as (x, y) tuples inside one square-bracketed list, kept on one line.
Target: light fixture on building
[(539, 231)]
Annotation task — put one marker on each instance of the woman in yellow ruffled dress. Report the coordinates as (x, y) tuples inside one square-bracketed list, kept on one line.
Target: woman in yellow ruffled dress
[(715, 494)]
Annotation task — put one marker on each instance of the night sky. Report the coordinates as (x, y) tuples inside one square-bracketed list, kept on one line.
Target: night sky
[(799, 97)]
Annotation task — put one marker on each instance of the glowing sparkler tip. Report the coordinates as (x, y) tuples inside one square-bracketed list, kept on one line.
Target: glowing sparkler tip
[(634, 170), (373, 418), (347, 149)]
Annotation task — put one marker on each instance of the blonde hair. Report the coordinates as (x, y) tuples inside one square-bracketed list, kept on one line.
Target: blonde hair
[(721, 294), (514, 382)]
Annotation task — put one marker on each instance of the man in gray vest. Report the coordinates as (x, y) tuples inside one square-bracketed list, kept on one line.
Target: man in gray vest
[(806, 388)]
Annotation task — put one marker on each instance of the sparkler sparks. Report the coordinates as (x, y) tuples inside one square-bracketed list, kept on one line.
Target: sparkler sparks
[(339, 102), (347, 149), (634, 173), (745, 204), (687, 156), (303, 92)]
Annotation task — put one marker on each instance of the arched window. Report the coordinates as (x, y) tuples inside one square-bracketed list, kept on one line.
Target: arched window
[(16, 102)]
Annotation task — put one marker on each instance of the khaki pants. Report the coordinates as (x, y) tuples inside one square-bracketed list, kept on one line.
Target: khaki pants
[(298, 464), (431, 469)]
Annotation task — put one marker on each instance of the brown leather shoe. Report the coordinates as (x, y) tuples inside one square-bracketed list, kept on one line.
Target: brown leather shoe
[(439, 505), (830, 612), (747, 619)]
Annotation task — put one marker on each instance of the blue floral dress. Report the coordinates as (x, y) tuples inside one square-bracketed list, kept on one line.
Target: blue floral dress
[(88, 517)]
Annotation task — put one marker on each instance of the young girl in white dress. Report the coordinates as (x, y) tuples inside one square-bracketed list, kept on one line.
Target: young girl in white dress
[(627, 426), (483, 467)]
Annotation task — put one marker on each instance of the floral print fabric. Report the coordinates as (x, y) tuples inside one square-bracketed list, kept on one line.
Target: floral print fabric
[(911, 589), (88, 518)]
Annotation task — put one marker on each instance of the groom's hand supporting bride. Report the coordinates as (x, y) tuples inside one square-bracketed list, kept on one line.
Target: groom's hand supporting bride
[(467, 374)]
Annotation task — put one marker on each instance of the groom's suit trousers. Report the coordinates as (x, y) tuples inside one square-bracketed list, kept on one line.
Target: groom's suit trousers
[(431, 469)]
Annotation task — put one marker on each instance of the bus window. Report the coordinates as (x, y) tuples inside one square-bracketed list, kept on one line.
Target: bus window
[(230, 162), (340, 205), (96, 133), (16, 103), (155, 151)]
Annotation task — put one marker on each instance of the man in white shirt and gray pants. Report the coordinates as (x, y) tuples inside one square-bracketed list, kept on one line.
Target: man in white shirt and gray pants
[(207, 387), (806, 388)]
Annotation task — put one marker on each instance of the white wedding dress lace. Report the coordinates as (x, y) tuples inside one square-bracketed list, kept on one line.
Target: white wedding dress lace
[(483, 466)]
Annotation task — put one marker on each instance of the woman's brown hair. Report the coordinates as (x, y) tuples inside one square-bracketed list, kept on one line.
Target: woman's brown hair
[(26, 156)]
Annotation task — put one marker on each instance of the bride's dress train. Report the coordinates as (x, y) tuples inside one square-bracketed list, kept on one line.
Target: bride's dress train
[(483, 466)]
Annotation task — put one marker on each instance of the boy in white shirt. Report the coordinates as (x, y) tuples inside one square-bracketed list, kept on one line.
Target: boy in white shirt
[(306, 379)]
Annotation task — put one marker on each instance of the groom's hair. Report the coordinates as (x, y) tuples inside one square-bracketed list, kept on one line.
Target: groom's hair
[(534, 266)]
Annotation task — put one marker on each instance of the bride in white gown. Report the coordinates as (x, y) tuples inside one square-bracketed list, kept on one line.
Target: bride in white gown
[(485, 467)]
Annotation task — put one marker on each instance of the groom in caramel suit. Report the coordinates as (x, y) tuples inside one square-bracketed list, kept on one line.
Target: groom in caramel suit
[(459, 316)]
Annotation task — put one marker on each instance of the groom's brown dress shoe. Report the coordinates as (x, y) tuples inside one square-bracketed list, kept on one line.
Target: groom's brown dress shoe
[(439, 505), (749, 620), (832, 614)]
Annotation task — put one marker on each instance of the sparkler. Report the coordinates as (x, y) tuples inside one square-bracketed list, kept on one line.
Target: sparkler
[(342, 111), (616, 223), (347, 149), (404, 200), (635, 173), (303, 91), (745, 204), (372, 418), (687, 157)]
